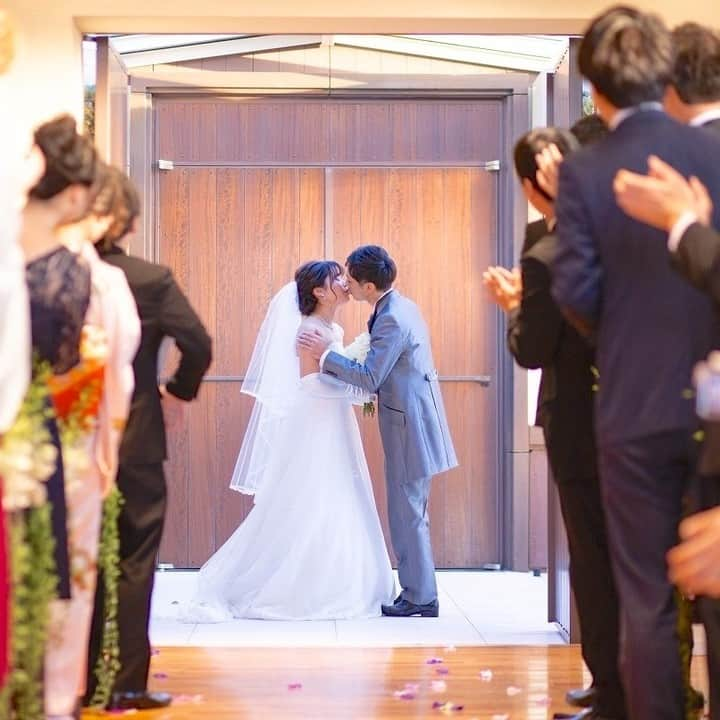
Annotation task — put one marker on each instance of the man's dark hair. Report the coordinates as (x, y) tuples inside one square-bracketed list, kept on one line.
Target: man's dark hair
[(535, 141), (627, 55), (696, 74), (371, 263), (589, 129)]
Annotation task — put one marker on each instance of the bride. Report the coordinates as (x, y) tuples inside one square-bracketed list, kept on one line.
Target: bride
[(312, 547)]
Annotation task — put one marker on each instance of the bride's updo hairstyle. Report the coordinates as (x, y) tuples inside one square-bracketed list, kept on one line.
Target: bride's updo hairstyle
[(311, 275), (70, 158)]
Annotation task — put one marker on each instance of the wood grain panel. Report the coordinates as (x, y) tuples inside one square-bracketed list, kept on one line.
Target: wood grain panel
[(244, 230), (175, 253), (236, 130), (438, 225), (202, 281), (239, 238)]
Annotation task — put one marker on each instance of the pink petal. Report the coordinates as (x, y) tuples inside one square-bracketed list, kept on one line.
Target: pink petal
[(295, 686), (160, 676), (486, 675), (404, 694), (154, 651), (442, 671), (434, 661)]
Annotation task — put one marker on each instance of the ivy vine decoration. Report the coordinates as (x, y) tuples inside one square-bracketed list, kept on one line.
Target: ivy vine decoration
[(27, 459), (108, 663)]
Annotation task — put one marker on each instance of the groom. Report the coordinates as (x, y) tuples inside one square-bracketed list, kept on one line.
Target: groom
[(415, 435)]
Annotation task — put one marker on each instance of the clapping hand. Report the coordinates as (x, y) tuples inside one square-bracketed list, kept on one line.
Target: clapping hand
[(662, 196), (694, 564), (504, 286)]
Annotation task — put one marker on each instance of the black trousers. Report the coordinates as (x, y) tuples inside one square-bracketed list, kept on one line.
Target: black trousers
[(594, 587), (643, 482), (141, 526)]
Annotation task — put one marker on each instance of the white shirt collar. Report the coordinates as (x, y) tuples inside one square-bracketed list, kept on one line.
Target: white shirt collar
[(387, 292), (705, 117), (622, 115)]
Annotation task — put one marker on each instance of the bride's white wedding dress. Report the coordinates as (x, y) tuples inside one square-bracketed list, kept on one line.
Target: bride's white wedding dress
[(312, 547)]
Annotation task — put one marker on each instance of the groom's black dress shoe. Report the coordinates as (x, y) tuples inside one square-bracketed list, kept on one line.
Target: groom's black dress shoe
[(582, 697), (404, 608), (139, 700)]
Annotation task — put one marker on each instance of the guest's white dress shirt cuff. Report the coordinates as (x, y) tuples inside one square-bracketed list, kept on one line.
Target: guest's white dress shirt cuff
[(679, 228), (323, 356)]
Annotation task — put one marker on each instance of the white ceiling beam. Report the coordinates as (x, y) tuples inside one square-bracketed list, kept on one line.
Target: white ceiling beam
[(447, 51), (242, 46)]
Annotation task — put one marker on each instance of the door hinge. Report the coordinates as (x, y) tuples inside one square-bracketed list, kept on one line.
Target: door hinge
[(165, 165), (492, 166)]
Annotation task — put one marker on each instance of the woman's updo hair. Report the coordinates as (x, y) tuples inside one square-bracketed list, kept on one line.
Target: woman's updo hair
[(312, 275), (116, 196), (70, 158)]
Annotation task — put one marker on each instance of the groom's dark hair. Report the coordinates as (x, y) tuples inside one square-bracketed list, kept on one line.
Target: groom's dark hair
[(371, 263)]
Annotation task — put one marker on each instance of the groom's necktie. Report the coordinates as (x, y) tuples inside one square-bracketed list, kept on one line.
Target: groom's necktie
[(372, 319)]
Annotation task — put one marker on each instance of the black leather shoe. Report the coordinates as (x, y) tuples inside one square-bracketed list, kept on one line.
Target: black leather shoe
[(139, 700), (581, 697), (405, 608)]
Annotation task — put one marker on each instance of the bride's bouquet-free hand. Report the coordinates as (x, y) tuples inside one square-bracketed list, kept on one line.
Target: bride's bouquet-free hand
[(357, 350)]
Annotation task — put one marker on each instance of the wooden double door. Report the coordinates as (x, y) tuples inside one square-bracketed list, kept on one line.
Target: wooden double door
[(234, 228)]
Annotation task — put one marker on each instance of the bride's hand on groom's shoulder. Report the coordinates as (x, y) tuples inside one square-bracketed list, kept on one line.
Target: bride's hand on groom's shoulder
[(312, 342)]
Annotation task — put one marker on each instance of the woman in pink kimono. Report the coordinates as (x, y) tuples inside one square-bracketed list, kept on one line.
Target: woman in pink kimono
[(110, 341)]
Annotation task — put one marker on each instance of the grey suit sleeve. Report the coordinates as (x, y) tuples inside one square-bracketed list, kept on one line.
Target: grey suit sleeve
[(387, 344)]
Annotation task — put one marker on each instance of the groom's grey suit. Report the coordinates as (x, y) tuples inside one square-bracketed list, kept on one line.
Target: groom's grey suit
[(414, 430)]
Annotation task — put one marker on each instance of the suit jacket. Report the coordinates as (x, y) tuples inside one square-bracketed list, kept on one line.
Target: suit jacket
[(612, 273), (539, 337), (164, 311), (400, 369)]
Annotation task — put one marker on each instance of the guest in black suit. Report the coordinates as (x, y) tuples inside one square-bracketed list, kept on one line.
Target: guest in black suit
[(164, 312), (611, 275), (539, 337)]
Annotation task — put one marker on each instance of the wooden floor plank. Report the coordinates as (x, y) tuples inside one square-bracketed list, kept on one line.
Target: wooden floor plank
[(359, 683)]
